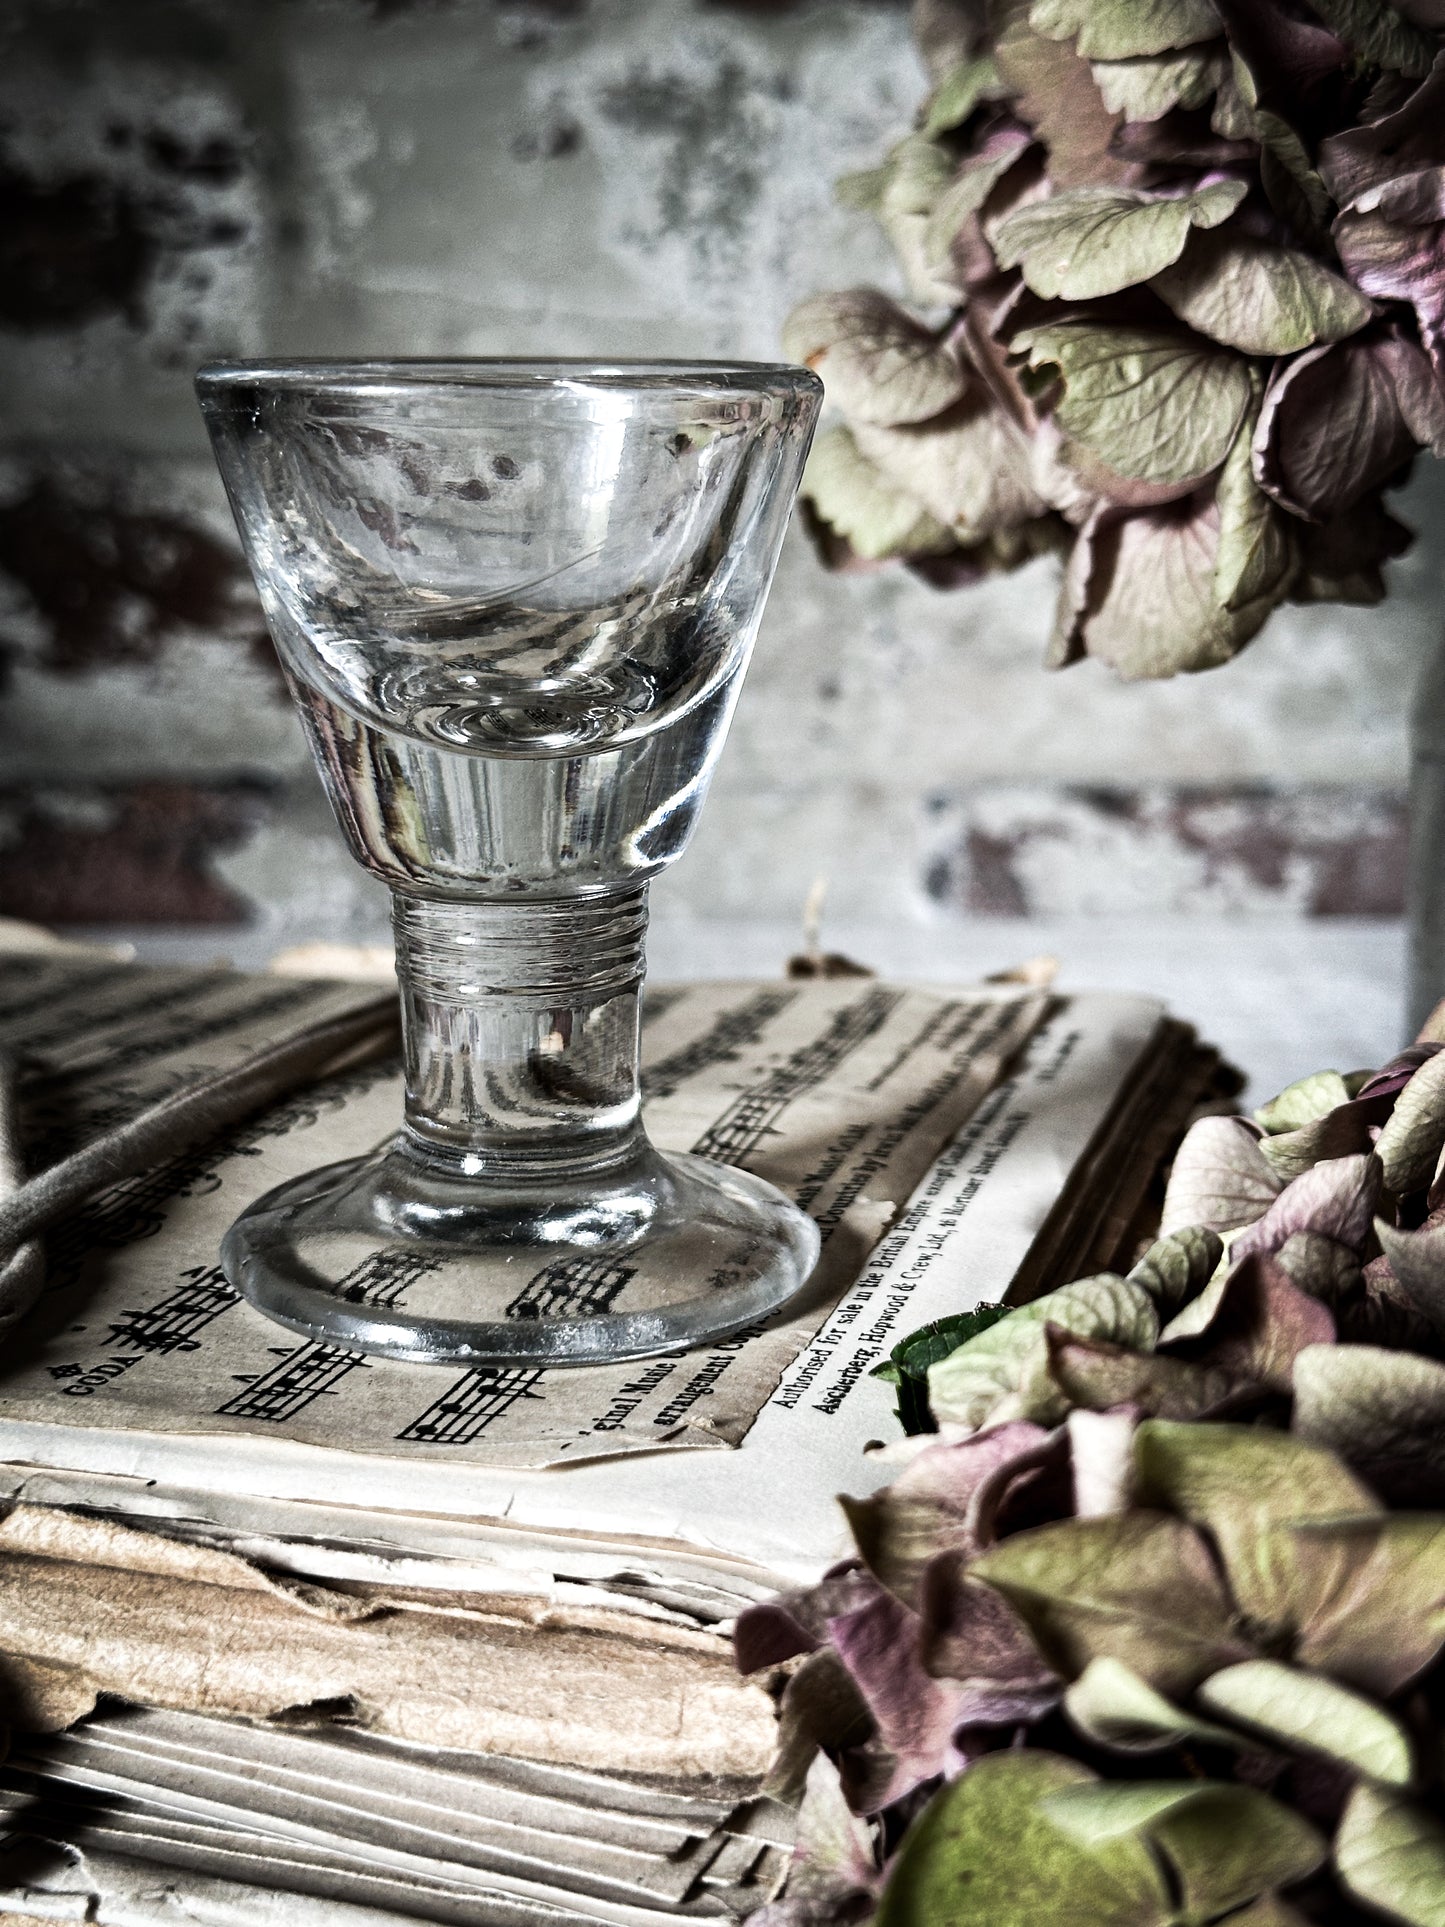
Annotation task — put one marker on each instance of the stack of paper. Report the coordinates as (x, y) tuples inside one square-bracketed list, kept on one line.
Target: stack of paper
[(435, 1833), (366, 1592)]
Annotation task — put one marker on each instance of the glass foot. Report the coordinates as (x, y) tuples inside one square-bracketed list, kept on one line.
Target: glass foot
[(381, 1254)]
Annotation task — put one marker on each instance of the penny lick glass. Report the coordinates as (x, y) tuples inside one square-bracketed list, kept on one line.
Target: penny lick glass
[(514, 602)]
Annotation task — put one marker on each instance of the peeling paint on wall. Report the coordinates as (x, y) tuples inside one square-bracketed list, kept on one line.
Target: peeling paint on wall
[(1039, 851), (181, 179), (137, 855), (93, 578)]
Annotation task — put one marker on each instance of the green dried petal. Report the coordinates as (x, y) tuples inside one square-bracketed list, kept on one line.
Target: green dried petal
[(1151, 87), (984, 1851), (876, 518), (1112, 1706), (1151, 404), (1301, 1102), (1378, 32), (1091, 241), (1255, 560), (1139, 1587), (1122, 29), (1261, 299), (1414, 1134), (1298, 1710), (878, 364), (1177, 1267), (959, 92), (1244, 1485), (1390, 1854)]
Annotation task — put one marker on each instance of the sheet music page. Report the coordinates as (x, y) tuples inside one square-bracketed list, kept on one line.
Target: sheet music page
[(842, 1093), (732, 1524)]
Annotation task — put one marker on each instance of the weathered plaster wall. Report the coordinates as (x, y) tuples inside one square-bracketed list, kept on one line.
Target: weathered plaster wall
[(188, 178)]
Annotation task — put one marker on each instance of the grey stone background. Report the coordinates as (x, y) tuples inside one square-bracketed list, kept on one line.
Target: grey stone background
[(188, 178)]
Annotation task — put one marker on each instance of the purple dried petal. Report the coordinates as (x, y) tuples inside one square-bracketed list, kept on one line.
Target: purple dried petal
[(1395, 1075), (1264, 1322), (915, 1714), (1330, 429), (1336, 1197), (797, 1622), (969, 1632), (1361, 158)]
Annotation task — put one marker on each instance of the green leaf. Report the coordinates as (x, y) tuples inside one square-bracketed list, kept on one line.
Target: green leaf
[(1153, 404), (1085, 242), (959, 92), (1390, 1854), (1298, 1710), (878, 364), (1240, 1483), (876, 518), (1176, 1268), (1378, 32), (1414, 1134), (984, 1852), (1112, 1706), (907, 1364), (1138, 1587), (1148, 89), (1003, 1372), (1220, 1178), (1123, 29), (1261, 299), (1256, 557), (1299, 1103)]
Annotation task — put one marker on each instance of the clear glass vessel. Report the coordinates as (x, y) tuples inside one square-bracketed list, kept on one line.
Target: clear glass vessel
[(514, 602)]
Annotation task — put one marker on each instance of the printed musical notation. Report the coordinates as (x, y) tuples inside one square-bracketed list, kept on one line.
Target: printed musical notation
[(575, 1287), (298, 1380), (314, 1370), (475, 1401), (172, 1324), (755, 1112), (723, 1042)]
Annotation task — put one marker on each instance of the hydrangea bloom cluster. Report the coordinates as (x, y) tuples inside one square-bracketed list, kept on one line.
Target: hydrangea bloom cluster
[(1149, 1630), (1176, 274)]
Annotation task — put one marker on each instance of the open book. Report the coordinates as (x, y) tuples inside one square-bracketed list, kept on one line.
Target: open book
[(953, 1146)]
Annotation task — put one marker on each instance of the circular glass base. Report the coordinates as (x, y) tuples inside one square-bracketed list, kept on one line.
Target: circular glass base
[(381, 1254)]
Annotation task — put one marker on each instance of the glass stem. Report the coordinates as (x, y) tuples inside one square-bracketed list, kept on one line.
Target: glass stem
[(520, 1030)]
